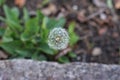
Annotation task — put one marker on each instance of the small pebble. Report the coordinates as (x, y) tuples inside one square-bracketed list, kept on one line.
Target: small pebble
[(103, 16), (75, 7), (96, 51)]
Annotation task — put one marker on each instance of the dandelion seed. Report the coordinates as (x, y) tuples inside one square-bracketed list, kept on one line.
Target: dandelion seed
[(58, 38)]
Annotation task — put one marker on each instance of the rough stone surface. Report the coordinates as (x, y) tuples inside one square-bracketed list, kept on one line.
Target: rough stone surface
[(34, 70)]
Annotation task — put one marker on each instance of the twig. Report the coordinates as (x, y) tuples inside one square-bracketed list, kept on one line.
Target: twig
[(80, 51), (95, 14), (64, 52)]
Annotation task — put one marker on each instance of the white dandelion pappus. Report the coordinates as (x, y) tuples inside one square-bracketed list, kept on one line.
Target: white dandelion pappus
[(58, 38)]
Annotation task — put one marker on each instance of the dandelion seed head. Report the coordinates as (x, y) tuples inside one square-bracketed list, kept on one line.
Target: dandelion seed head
[(58, 38)]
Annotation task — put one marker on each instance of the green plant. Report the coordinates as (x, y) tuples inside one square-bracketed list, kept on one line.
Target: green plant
[(27, 37), (72, 41), (2, 2), (73, 37), (2, 30)]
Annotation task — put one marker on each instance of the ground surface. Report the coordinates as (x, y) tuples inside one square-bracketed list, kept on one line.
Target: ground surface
[(35, 70), (97, 25)]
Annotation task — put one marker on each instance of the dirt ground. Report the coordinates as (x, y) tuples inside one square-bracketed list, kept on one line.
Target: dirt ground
[(97, 25)]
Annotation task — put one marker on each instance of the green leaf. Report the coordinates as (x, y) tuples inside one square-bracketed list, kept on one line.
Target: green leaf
[(73, 37), (26, 15), (52, 23), (63, 59), (2, 31), (12, 18), (10, 47), (45, 48), (2, 19), (31, 29), (16, 27), (22, 53), (45, 21), (36, 39), (40, 16), (16, 48), (44, 31), (11, 14), (15, 12), (40, 57), (2, 2), (7, 36), (60, 23), (31, 26), (25, 52), (72, 55)]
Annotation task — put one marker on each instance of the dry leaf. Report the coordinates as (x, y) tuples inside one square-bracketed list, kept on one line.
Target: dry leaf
[(102, 31), (115, 35), (3, 55), (99, 3), (51, 9), (81, 16), (20, 3)]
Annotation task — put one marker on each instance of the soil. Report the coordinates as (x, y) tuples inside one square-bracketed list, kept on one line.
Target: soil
[(96, 24)]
